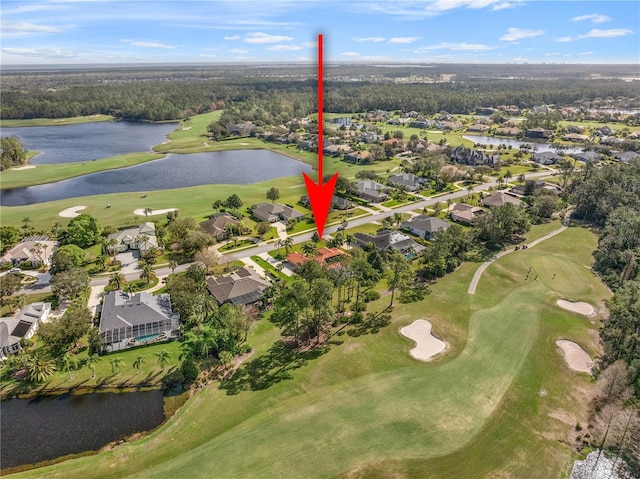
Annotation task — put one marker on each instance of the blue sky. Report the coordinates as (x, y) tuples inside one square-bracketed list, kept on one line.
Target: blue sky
[(443, 31)]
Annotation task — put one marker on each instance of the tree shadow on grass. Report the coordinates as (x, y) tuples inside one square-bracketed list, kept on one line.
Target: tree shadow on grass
[(371, 324), (275, 366)]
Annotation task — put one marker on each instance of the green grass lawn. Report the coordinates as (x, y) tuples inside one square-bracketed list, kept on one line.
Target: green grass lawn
[(365, 409), (269, 268), (55, 121)]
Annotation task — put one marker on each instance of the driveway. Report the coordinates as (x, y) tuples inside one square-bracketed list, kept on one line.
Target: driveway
[(129, 261)]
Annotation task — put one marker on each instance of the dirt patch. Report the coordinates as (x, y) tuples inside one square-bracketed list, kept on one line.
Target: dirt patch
[(582, 308), (427, 345), (575, 357), (71, 212), (27, 167)]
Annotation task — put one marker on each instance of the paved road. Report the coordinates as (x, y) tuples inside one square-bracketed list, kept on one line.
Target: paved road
[(301, 238)]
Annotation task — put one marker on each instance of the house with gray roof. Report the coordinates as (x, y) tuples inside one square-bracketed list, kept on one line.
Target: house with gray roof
[(408, 181), (546, 158), (337, 202), (469, 156), (371, 191), (141, 238), (218, 224), (388, 240), (587, 156), (501, 198), (425, 226), (22, 326), (133, 320), (464, 213), (35, 249), (272, 212), (242, 287)]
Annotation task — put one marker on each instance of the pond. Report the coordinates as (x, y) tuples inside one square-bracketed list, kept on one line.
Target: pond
[(41, 429), (535, 146), (238, 167), (87, 141)]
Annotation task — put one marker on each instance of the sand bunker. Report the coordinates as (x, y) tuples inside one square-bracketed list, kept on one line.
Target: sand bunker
[(140, 212), (26, 167), (576, 357), (71, 212), (584, 309), (427, 345)]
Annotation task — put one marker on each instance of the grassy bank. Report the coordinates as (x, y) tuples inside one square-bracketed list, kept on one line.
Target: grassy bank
[(62, 171), (500, 402), (74, 120)]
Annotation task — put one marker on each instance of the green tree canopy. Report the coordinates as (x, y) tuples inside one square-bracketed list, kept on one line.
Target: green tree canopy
[(83, 231), (66, 258), (12, 153)]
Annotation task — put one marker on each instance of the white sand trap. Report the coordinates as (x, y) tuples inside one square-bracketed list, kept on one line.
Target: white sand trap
[(427, 345), (140, 211), (576, 357), (581, 308), (186, 128), (244, 144), (71, 212), (27, 167)]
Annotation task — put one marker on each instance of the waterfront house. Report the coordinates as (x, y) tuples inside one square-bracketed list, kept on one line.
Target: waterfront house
[(22, 326)]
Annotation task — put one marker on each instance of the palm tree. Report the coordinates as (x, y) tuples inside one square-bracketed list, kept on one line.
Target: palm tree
[(173, 265), (146, 272), (67, 361), (508, 175), (278, 243), (25, 224), (309, 249), (117, 280), (140, 360), (129, 288), (102, 261), (147, 212), (287, 243), (112, 247), (116, 364), (39, 369), (163, 358), (91, 361)]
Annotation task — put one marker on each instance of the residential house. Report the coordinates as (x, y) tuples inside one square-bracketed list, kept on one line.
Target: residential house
[(128, 320), (587, 156), (369, 137), (388, 240), (448, 125), (336, 150), (337, 202), (22, 326), (528, 188), (634, 135), (141, 238), (421, 124), (605, 130), (243, 287), (611, 140), (627, 156), (425, 226), (36, 250), (272, 212), (407, 181), (340, 121), (575, 137), (499, 199), (371, 191), (218, 224), (508, 131), (546, 158), (485, 111), (478, 128), (464, 213), (359, 157), (539, 133), (307, 144), (399, 121), (328, 257), (240, 129), (511, 110), (469, 156), (575, 129)]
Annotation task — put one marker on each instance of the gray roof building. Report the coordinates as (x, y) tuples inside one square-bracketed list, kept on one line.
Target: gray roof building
[(501, 198), (37, 249), (22, 326), (216, 225), (272, 212), (133, 320), (242, 287), (546, 158), (141, 237), (425, 226), (406, 180), (390, 240)]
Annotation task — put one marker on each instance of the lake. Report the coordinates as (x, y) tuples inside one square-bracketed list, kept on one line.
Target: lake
[(86, 141), (40, 429), (238, 167), (535, 146)]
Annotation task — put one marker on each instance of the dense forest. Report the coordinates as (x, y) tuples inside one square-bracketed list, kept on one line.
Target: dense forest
[(156, 100)]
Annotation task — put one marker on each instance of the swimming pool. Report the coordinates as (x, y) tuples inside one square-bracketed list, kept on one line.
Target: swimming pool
[(148, 337)]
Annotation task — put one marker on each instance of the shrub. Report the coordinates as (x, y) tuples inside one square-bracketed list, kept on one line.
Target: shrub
[(370, 295)]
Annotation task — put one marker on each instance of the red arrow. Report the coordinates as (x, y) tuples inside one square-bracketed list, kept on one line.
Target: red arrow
[(320, 194)]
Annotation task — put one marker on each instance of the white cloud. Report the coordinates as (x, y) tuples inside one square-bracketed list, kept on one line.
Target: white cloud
[(593, 17), (505, 5), (303, 59), (476, 4), (350, 54), (207, 55), (284, 48), (368, 39), (232, 37), (261, 37), (474, 47), (42, 52), (310, 44), (515, 34), (242, 58), (595, 33), (144, 44), (520, 59), (239, 51), (584, 54), (32, 8), (404, 39), (24, 29), (554, 54)]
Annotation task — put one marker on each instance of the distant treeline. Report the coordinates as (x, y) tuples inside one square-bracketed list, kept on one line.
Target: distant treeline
[(174, 99)]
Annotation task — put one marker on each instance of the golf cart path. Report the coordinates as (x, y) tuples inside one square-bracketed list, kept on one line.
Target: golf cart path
[(485, 265)]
